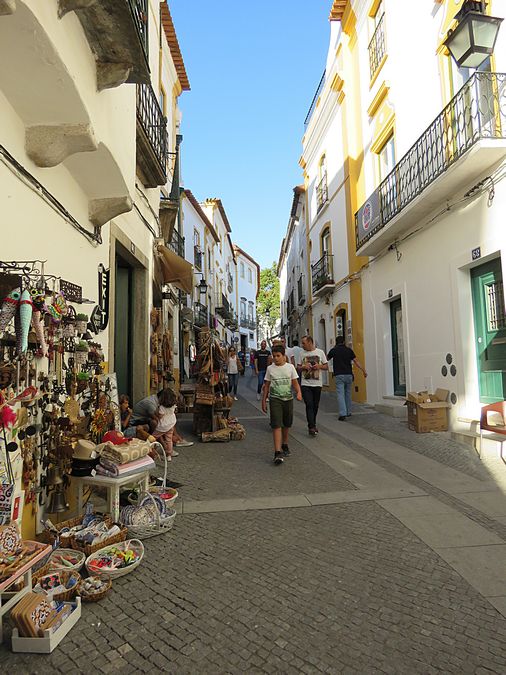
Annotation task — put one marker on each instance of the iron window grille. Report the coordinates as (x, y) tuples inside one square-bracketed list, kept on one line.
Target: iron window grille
[(322, 194), (377, 47), (154, 124)]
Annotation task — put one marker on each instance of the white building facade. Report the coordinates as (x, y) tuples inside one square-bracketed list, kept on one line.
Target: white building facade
[(89, 114), (248, 286), (293, 272), (429, 201)]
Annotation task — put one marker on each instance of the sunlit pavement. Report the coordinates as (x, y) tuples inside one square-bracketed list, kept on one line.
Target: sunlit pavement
[(363, 553)]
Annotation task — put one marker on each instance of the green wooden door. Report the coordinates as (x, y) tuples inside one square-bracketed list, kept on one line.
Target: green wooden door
[(490, 330), (122, 329), (399, 368)]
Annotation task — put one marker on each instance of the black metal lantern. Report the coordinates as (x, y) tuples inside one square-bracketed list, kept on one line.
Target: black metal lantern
[(475, 35), (202, 286)]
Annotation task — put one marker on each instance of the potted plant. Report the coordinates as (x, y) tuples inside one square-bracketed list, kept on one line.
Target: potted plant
[(81, 323), (81, 352), (83, 379)]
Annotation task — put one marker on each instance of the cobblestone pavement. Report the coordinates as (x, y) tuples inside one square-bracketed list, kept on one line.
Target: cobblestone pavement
[(341, 588)]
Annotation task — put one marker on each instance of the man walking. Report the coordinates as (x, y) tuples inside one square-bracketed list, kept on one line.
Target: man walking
[(311, 361), (262, 360), (342, 359)]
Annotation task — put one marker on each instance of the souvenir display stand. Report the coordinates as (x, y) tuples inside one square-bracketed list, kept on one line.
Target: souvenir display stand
[(213, 403), (59, 430)]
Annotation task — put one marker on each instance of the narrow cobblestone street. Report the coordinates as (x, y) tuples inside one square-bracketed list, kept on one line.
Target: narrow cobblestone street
[(363, 553)]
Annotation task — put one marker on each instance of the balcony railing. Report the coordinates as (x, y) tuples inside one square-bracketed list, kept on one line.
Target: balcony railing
[(300, 290), (139, 9), (223, 308), (315, 100), (322, 273), (201, 318), (248, 322), (322, 194), (476, 112), (377, 47), (152, 141), (176, 244), (197, 257)]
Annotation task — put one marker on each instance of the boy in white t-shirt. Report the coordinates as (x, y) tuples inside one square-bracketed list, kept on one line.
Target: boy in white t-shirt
[(310, 362), (280, 378)]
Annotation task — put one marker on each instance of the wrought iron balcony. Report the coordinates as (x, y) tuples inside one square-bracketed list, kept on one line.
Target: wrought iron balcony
[(176, 244), (377, 47), (232, 321), (152, 140), (322, 194), (139, 9), (322, 273), (290, 304), (248, 322), (197, 257), (223, 308), (315, 100), (300, 290), (463, 142), (200, 317)]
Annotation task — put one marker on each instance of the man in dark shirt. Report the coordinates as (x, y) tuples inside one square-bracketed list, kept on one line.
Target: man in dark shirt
[(342, 359), (262, 360)]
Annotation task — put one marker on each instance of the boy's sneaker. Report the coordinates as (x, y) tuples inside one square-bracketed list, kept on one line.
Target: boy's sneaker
[(286, 450), (278, 458)]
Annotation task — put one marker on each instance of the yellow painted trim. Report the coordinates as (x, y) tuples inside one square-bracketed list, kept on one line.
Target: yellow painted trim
[(373, 8), (302, 162), (349, 20), (378, 99), (337, 83), (383, 136), (378, 70), (341, 97)]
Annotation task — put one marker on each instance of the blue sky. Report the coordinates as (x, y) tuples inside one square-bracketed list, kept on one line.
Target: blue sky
[(253, 69)]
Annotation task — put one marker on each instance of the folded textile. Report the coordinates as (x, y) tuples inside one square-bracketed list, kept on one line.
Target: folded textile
[(126, 469), (122, 454), (120, 469)]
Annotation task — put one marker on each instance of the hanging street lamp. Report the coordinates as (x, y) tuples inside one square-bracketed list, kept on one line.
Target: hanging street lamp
[(202, 286), (474, 37)]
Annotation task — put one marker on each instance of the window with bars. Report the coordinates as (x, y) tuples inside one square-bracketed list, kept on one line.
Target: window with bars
[(496, 310)]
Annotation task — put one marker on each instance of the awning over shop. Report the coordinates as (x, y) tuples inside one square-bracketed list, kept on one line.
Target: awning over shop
[(175, 270)]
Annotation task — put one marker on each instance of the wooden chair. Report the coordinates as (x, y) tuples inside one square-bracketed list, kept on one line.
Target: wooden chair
[(499, 430)]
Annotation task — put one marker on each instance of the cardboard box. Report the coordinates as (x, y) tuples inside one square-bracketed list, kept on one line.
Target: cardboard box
[(428, 412)]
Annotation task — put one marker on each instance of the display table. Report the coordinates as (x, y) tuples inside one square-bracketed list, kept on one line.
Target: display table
[(113, 485), (10, 598)]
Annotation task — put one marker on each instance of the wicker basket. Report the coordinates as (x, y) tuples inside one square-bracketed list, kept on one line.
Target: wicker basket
[(50, 537), (52, 565), (89, 549), (69, 594), (94, 597), (160, 524), (134, 544)]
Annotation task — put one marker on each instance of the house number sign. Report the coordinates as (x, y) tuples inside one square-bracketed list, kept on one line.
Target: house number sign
[(476, 253)]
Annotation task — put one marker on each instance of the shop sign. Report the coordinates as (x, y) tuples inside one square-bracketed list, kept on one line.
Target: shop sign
[(368, 217), (71, 292), (103, 294)]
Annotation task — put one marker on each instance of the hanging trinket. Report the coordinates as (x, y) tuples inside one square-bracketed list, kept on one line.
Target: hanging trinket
[(9, 308), (25, 318)]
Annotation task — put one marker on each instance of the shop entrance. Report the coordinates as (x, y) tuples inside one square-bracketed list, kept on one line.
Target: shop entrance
[(122, 330), (490, 330), (398, 361)]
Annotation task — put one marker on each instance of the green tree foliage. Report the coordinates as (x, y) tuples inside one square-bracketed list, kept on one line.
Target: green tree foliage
[(268, 298)]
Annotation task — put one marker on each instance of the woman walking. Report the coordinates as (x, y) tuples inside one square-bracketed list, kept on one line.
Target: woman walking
[(234, 367)]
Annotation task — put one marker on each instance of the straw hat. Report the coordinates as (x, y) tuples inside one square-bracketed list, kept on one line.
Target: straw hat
[(84, 450)]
